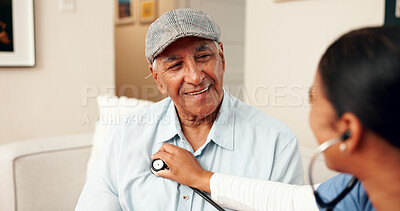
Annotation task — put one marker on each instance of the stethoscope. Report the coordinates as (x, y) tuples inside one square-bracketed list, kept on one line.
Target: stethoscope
[(328, 206), (158, 165)]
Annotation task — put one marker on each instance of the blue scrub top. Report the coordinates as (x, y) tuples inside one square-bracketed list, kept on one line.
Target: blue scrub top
[(357, 199)]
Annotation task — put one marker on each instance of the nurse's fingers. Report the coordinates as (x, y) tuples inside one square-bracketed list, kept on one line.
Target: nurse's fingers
[(165, 173), (170, 148), (163, 155)]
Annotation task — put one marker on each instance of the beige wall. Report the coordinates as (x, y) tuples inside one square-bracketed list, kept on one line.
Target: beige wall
[(130, 62), (73, 50), (284, 42)]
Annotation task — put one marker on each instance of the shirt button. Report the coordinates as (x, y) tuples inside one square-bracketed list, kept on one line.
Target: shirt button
[(186, 197), (182, 141)]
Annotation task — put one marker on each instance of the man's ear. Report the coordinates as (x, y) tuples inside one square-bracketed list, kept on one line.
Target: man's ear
[(221, 53), (351, 123), (160, 86)]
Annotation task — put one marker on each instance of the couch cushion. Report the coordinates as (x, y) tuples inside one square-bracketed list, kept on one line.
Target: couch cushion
[(43, 174)]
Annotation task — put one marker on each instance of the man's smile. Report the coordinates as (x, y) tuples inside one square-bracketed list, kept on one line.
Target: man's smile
[(198, 92)]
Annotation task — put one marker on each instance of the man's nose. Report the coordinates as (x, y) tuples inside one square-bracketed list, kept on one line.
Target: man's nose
[(194, 73)]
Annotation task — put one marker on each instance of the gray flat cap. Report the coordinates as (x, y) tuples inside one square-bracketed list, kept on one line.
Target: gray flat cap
[(176, 24)]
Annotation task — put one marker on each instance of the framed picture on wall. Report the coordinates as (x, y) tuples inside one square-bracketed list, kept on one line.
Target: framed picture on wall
[(148, 10), (124, 13), (392, 12), (17, 39), (282, 0)]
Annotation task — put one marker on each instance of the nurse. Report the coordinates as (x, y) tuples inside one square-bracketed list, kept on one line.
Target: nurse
[(355, 118)]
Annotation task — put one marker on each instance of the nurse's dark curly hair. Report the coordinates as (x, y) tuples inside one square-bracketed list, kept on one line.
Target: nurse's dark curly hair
[(361, 74)]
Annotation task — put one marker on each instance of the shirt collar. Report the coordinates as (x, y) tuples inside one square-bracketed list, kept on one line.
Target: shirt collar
[(221, 133), (169, 125)]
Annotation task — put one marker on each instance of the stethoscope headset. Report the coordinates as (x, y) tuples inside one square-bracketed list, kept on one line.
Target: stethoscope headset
[(158, 165), (328, 206)]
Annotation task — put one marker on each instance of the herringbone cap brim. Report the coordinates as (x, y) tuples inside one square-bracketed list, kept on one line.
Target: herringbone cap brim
[(176, 24)]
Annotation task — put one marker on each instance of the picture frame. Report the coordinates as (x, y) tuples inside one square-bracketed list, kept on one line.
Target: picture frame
[(124, 12), (277, 1), (17, 34), (392, 12), (148, 11)]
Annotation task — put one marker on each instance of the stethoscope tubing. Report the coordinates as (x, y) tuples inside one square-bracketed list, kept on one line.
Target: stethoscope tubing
[(208, 199), (161, 165), (328, 206)]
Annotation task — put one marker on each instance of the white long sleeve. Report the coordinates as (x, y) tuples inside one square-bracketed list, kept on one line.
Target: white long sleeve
[(251, 194)]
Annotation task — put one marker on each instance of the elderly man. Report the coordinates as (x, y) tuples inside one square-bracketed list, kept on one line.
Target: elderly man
[(187, 62)]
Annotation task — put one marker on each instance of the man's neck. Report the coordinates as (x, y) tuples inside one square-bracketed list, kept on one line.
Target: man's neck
[(194, 121), (196, 128)]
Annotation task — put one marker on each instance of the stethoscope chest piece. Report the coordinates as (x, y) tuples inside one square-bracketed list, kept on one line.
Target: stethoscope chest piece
[(158, 165)]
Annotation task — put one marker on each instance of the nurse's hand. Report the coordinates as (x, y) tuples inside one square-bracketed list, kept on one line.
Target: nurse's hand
[(183, 167)]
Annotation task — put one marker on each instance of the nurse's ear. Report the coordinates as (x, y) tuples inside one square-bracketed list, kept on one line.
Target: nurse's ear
[(354, 132)]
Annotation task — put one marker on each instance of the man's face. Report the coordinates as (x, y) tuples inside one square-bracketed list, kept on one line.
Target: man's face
[(190, 71)]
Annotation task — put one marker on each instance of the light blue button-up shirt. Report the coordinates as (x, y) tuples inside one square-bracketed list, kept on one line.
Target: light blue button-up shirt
[(243, 141)]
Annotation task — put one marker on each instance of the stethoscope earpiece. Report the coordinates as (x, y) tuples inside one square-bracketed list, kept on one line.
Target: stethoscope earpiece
[(345, 135), (321, 148)]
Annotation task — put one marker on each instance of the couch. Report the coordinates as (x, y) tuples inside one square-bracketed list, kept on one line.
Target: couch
[(49, 173), (43, 174)]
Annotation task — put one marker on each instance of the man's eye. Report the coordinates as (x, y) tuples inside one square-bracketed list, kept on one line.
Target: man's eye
[(204, 57), (175, 66)]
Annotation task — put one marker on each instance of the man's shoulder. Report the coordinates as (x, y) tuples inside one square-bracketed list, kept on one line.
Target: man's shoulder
[(142, 122), (139, 119), (154, 111), (248, 114)]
